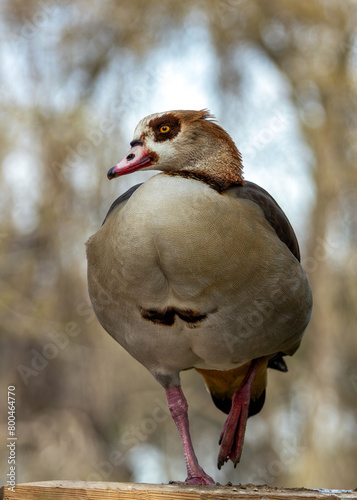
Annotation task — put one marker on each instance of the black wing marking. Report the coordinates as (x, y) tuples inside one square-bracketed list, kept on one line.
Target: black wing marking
[(277, 362), (272, 212), (124, 197)]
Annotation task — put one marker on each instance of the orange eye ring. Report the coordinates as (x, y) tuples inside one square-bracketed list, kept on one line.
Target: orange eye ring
[(164, 129)]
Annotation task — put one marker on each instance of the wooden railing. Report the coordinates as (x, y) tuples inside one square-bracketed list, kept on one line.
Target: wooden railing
[(78, 490)]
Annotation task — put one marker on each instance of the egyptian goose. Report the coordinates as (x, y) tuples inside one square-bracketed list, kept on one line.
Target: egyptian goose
[(197, 268)]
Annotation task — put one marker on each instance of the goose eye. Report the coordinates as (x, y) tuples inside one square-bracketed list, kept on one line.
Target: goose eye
[(164, 129)]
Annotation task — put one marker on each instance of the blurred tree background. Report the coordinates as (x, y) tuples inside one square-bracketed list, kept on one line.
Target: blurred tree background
[(75, 78)]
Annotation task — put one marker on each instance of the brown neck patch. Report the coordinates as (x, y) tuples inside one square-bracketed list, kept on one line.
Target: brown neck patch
[(219, 184)]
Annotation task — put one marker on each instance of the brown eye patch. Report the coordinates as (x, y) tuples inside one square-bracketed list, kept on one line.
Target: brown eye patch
[(168, 120)]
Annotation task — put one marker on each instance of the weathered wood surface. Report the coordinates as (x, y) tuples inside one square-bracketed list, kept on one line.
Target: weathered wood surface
[(80, 490)]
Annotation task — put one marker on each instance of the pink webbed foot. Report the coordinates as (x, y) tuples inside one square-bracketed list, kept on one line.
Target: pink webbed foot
[(200, 477), (232, 436)]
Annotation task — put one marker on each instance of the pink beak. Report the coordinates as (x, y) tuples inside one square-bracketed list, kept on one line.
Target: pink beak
[(136, 159)]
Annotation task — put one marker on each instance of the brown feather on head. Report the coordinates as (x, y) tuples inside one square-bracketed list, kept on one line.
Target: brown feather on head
[(219, 162)]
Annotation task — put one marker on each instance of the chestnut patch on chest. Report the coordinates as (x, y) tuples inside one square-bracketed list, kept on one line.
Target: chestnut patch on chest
[(167, 316), (170, 120)]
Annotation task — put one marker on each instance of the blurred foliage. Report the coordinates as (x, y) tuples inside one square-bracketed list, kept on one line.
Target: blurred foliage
[(83, 405)]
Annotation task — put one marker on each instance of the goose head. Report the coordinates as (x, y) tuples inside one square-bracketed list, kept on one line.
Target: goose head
[(186, 143)]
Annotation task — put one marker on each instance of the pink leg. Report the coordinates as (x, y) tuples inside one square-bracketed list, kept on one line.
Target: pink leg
[(178, 408), (232, 436)]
